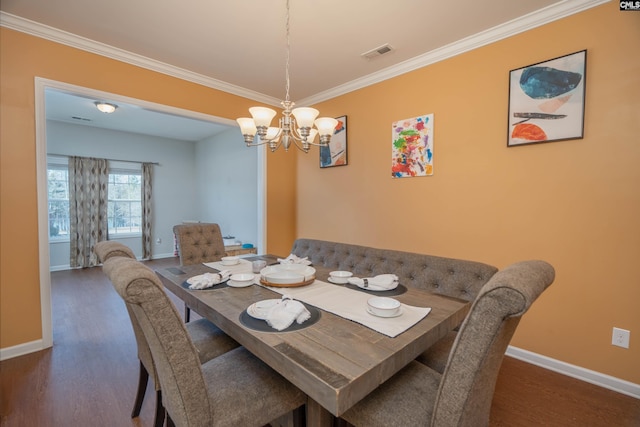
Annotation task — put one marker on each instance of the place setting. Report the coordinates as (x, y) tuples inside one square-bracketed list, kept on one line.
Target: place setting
[(383, 284), (283, 314), (222, 279)]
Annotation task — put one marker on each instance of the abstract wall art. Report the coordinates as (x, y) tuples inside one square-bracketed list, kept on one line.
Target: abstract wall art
[(546, 100), (412, 147), (335, 154)]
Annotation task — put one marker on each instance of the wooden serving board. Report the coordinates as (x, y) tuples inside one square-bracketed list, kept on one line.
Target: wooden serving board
[(287, 285)]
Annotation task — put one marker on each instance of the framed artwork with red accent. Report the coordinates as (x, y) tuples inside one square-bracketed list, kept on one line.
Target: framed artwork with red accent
[(546, 100)]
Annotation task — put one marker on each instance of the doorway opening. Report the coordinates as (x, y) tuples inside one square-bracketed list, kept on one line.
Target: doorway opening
[(43, 88)]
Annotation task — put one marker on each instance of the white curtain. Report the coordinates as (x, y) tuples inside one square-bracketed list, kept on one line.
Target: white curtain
[(88, 182), (147, 177)]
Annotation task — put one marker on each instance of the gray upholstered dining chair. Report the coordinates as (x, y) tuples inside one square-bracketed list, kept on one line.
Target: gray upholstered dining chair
[(234, 389), (208, 339), (462, 395), (198, 243)]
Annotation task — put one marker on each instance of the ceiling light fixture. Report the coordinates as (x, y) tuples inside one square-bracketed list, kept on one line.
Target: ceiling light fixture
[(105, 107), (298, 129)]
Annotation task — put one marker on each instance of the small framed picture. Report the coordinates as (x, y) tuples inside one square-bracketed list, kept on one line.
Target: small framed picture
[(546, 100), (335, 154)]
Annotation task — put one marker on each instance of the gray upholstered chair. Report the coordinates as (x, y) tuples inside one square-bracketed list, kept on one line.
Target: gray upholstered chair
[(209, 340), (198, 243), (420, 396), (234, 389)]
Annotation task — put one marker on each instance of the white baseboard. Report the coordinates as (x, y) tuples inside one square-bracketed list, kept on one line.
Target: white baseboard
[(587, 375), (21, 349), (68, 267), (159, 256)]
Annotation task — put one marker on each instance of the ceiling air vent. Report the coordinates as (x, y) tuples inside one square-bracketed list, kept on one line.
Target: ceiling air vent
[(80, 118), (380, 50)]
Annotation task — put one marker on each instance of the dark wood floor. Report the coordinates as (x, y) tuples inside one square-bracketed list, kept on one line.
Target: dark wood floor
[(90, 375)]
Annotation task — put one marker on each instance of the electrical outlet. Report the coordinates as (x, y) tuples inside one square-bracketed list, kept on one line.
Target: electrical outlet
[(620, 337)]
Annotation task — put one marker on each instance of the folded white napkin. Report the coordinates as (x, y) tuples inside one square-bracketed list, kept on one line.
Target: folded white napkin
[(294, 259), (381, 282), (283, 314), (208, 280)]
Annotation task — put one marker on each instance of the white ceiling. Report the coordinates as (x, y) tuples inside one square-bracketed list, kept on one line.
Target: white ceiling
[(77, 109), (239, 45)]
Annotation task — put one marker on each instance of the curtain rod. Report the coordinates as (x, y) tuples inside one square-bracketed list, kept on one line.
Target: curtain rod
[(111, 160)]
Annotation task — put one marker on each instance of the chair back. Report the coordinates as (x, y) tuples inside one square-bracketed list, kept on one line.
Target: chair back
[(110, 249), (199, 242), (468, 382), (184, 392)]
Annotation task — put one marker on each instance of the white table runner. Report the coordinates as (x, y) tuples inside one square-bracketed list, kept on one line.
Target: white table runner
[(351, 304)]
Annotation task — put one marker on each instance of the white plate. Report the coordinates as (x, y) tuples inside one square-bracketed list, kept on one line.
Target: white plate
[(397, 313), (260, 309), (243, 284), (285, 274), (331, 279)]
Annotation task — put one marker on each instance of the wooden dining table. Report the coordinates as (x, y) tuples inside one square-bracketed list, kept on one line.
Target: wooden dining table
[(335, 361)]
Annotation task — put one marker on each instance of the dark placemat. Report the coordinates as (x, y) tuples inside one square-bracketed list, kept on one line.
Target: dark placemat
[(399, 290), (212, 288), (175, 270), (262, 326)]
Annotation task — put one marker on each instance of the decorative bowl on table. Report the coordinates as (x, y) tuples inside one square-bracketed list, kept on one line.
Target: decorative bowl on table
[(383, 306), (340, 277), (287, 275), (241, 280), (229, 260)]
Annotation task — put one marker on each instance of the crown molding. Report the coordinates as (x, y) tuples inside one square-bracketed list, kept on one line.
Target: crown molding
[(516, 26), (503, 31), (33, 28)]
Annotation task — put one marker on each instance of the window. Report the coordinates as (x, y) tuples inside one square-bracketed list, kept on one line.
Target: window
[(124, 210), (125, 205), (58, 190)]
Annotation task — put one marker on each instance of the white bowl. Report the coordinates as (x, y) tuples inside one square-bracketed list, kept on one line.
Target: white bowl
[(281, 275), (383, 306), (230, 260), (340, 276), (244, 277)]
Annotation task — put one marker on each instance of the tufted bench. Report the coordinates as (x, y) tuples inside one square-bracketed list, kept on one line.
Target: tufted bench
[(447, 276)]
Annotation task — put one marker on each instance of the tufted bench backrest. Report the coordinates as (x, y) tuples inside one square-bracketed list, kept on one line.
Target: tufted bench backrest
[(452, 277)]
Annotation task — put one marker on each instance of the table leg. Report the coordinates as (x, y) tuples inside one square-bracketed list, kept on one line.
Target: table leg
[(317, 416)]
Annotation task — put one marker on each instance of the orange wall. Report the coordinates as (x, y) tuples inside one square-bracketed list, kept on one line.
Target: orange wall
[(23, 58), (573, 203)]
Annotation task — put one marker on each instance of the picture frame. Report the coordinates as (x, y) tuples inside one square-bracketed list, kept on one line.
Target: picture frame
[(547, 100), (412, 147), (335, 154)]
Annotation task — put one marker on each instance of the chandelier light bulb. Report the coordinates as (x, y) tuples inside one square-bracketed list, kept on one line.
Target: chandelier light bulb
[(326, 126), (247, 126), (273, 133), (262, 116), (305, 116)]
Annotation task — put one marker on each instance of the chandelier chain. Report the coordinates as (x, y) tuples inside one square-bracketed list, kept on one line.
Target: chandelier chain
[(288, 55)]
